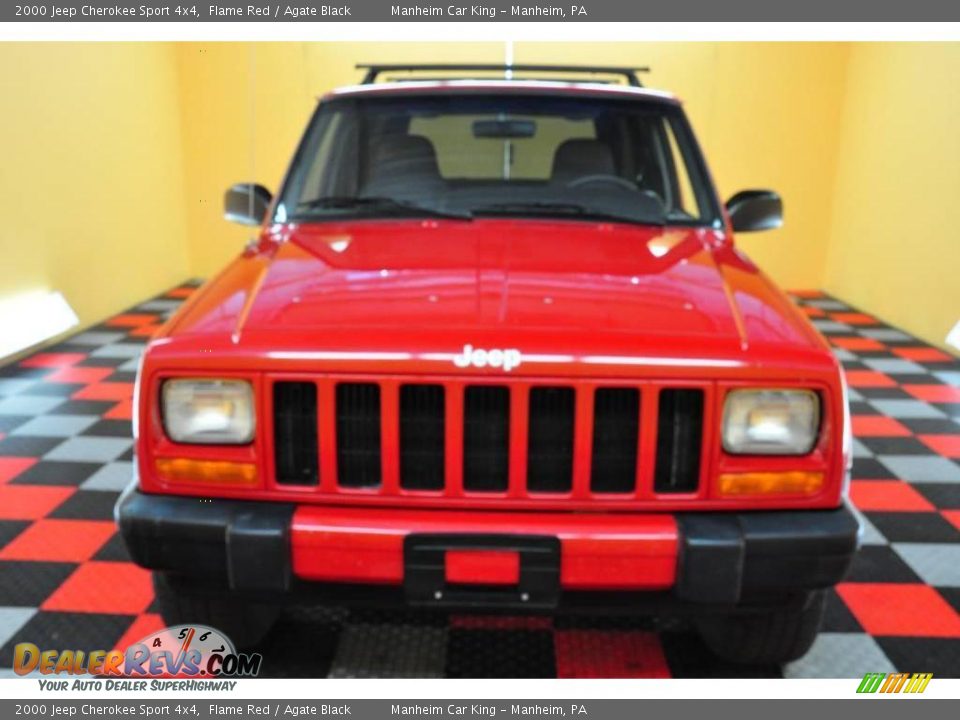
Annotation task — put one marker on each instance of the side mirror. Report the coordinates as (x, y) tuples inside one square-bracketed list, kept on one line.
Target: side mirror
[(754, 210), (246, 203)]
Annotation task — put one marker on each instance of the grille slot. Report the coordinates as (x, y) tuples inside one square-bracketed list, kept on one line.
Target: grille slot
[(486, 438), (422, 437), (679, 434), (358, 435), (550, 439), (616, 427), (295, 433)]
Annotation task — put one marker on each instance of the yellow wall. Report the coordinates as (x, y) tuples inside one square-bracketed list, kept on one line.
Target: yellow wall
[(91, 173), (894, 247)]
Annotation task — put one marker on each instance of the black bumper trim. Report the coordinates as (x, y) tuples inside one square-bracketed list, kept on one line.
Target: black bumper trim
[(244, 544), (724, 558)]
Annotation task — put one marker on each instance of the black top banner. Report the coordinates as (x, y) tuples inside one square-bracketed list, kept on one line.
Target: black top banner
[(487, 11)]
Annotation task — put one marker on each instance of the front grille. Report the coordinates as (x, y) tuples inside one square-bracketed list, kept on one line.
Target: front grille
[(550, 439), (526, 440), (358, 435), (616, 430), (680, 426), (486, 438), (295, 433), (422, 437)]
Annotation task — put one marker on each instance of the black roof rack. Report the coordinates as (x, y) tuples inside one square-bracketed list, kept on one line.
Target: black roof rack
[(629, 73)]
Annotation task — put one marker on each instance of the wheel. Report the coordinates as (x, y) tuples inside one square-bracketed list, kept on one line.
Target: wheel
[(771, 636), (183, 602)]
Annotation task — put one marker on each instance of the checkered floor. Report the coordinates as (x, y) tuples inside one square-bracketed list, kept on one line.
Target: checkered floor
[(66, 582)]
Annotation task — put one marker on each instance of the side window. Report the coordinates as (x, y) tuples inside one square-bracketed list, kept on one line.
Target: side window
[(683, 202), (334, 167)]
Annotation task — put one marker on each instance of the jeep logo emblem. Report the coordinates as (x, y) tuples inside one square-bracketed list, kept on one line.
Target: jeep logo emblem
[(506, 358)]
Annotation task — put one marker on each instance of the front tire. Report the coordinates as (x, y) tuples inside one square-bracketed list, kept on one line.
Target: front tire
[(184, 602), (770, 636)]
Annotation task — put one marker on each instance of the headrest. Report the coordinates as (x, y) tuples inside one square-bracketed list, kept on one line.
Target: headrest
[(580, 157)]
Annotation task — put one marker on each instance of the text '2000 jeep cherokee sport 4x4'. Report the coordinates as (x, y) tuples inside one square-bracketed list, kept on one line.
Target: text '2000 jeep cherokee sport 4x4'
[(494, 348)]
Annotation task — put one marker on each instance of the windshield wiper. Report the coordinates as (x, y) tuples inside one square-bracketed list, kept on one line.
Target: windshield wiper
[(561, 209), (392, 206)]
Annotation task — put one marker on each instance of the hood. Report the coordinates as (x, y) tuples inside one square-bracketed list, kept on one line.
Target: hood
[(506, 282)]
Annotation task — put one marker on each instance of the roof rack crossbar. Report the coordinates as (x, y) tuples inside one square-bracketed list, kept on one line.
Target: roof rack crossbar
[(629, 73)]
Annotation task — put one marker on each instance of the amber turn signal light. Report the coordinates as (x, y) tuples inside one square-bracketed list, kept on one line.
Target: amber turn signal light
[(771, 483), (218, 472)]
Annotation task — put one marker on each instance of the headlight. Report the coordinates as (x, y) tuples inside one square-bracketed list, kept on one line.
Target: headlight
[(208, 412), (770, 422)]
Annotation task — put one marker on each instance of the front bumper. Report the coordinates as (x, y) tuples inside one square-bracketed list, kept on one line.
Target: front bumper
[(266, 548)]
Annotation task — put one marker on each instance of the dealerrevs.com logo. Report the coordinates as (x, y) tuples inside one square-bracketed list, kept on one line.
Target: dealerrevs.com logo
[(190, 652)]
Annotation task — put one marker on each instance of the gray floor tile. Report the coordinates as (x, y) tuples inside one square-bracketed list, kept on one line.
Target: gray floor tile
[(11, 620), (96, 338), (827, 304), (907, 409), (12, 386), (937, 564), (949, 377), (113, 476), (90, 449), (31, 405), (844, 355), (895, 367), (56, 425), (884, 334), (118, 350), (829, 327), (860, 450), (921, 468), (840, 655)]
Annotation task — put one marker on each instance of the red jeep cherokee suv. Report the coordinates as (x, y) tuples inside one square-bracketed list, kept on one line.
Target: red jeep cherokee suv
[(495, 349)]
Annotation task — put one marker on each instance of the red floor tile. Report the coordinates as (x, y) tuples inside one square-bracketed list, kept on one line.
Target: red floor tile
[(813, 311), (609, 654), (888, 495), (869, 378), (145, 331), (900, 609), (131, 320), (105, 391), (877, 426), (10, 467), (59, 540), (946, 445), (178, 293), (857, 343), (120, 411), (85, 375), (29, 502), (807, 294), (144, 625), (953, 516), (104, 587), (923, 354), (934, 393), (854, 318), (48, 360)]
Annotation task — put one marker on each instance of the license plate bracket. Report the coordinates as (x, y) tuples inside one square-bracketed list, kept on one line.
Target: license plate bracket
[(425, 577)]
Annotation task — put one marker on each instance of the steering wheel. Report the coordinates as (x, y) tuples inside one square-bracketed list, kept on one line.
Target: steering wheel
[(607, 179)]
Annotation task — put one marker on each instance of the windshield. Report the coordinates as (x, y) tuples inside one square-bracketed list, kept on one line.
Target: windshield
[(470, 155)]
